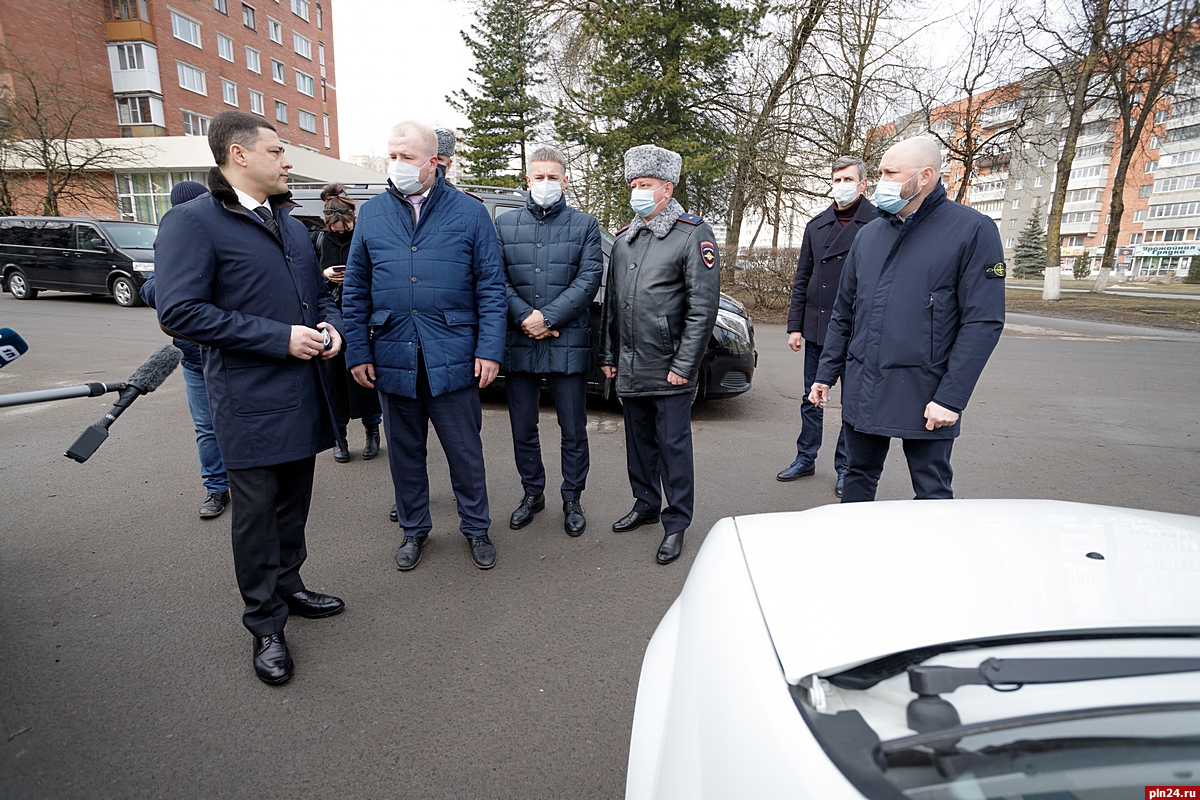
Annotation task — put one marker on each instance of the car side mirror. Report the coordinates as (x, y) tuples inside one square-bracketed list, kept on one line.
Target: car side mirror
[(100, 244)]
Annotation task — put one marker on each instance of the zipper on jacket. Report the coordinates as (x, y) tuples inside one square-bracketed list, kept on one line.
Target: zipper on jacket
[(930, 307)]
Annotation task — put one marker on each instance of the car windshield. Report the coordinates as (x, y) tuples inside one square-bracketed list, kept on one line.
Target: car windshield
[(1084, 755), (131, 236)]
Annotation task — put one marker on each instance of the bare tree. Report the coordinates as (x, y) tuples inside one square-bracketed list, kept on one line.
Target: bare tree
[(1143, 52)]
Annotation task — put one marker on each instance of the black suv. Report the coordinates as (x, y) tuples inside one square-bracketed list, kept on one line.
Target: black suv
[(729, 362), (70, 254)]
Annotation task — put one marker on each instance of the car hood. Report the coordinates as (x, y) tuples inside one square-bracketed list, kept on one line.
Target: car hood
[(841, 585)]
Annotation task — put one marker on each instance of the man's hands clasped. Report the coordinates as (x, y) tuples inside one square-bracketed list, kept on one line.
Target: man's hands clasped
[(534, 326)]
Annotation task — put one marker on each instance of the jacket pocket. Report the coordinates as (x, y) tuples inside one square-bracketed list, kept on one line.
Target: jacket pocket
[(664, 335), (266, 389), (460, 317), (942, 326), (378, 320)]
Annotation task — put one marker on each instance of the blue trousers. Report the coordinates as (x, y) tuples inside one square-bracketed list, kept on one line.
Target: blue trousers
[(457, 419), (570, 403), (658, 450), (928, 466), (212, 469), (812, 417)]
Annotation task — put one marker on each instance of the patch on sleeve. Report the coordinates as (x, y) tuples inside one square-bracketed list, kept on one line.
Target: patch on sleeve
[(995, 271), (708, 254)]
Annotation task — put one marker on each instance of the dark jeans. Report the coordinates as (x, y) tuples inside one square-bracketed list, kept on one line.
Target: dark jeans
[(570, 404), (270, 509), (928, 465), (812, 417), (457, 419), (212, 469), (658, 450)]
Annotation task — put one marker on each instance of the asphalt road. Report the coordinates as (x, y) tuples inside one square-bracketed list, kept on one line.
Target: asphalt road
[(125, 672)]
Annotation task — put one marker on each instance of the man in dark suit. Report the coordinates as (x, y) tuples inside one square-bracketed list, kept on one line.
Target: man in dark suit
[(240, 278), (827, 239)]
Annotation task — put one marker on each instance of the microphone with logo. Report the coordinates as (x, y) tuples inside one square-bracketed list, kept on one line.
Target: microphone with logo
[(12, 346), (145, 379)]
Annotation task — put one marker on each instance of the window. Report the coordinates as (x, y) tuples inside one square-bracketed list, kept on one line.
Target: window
[(1077, 216), (1093, 150), (256, 102), (1173, 210), (116, 10), (278, 72), (1072, 241), (321, 55), (1139, 216), (221, 6), (1180, 158), (229, 92), (146, 196), (1183, 134), (253, 62), (988, 206), (1016, 203), (1008, 243), (1161, 116), (1135, 238), (1144, 191), (248, 17), (1020, 183), (1012, 223), (191, 78), (194, 124), (1150, 167), (305, 84), (308, 121), (1037, 202), (302, 46), (1098, 171), (326, 119), (224, 47), (1050, 118), (1155, 141), (300, 9), (133, 111), (1042, 161), (1038, 181), (1095, 128), (129, 56), (275, 31), (320, 18), (1177, 184), (184, 29), (281, 112), (1081, 195)]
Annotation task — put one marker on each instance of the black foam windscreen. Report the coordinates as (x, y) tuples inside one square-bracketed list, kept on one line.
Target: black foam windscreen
[(11, 346), (155, 369)]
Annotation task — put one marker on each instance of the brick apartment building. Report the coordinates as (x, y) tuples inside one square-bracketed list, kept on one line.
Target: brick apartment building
[(164, 68)]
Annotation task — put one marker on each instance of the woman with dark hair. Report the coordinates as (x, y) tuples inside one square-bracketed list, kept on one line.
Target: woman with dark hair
[(350, 401)]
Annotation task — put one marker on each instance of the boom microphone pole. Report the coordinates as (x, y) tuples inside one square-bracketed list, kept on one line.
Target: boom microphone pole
[(145, 379)]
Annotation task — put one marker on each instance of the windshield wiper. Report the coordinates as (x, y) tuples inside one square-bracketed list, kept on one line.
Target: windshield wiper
[(929, 712)]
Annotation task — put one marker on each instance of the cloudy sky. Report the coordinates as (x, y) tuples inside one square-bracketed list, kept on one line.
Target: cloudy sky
[(396, 59)]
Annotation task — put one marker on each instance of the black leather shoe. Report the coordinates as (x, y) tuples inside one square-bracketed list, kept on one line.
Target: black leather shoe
[(800, 468), (671, 547), (341, 450), (483, 552), (634, 520), (214, 505), (393, 515), (272, 661), (530, 505), (371, 448), (409, 554), (841, 482), (313, 605), (574, 522)]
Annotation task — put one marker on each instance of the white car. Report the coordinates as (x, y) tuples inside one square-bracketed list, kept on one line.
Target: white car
[(963, 649)]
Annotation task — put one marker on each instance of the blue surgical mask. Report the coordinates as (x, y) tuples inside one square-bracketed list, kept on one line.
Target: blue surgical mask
[(888, 195), (545, 193), (405, 177), (642, 202)]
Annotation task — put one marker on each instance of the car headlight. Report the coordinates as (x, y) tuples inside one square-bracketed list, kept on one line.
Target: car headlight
[(734, 324), (145, 267)]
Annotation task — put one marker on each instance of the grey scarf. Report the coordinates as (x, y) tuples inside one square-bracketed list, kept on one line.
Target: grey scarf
[(660, 225)]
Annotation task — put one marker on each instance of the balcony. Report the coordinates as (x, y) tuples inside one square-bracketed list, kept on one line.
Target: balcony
[(134, 67)]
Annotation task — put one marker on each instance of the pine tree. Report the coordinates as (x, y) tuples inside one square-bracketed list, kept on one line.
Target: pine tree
[(1029, 259), (659, 67), (502, 108)]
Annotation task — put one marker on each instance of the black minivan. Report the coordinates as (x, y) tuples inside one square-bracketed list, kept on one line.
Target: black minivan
[(68, 254)]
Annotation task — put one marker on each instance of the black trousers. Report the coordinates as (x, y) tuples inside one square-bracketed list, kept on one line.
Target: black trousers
[(270, 509), (570, 404), (457, 419), (658, 449), (928, 466)]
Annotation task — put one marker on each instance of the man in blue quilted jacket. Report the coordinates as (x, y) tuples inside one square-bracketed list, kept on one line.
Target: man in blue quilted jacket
[(552, 261), (424, 312)]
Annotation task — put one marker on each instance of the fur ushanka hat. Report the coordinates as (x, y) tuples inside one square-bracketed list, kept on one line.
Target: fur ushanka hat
[(652, 161), (446, 141)]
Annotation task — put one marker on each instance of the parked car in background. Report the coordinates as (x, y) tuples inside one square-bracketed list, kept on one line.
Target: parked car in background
[(729, 362), (928, 650), (67, 254)]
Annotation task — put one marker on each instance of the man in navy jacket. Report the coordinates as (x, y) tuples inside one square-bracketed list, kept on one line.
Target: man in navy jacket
[(919, 310), (240, 278), (827, 238), (425, 318)]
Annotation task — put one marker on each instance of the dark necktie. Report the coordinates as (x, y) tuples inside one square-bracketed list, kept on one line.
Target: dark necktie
[(264, 214)]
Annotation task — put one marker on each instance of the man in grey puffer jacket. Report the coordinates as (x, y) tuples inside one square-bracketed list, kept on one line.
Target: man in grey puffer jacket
[(659, 309)]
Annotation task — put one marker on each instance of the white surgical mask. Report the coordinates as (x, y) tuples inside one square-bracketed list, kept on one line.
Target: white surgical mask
[(405, 177), (545, 193), (642, 202), (844, 193)]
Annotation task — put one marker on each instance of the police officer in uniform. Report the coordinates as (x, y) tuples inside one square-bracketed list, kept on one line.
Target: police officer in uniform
[(660, 306), (447, 142)]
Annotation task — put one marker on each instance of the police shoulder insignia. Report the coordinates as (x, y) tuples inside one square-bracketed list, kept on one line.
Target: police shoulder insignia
[(691, 219), (708, 254), (618, 233), (995, 271), (472, 194)]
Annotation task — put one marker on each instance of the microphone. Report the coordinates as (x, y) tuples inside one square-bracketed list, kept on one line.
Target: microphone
[(145, 379), (12, 346)]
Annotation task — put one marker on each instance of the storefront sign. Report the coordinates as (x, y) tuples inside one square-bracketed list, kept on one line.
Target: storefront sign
[(1167, 250)]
